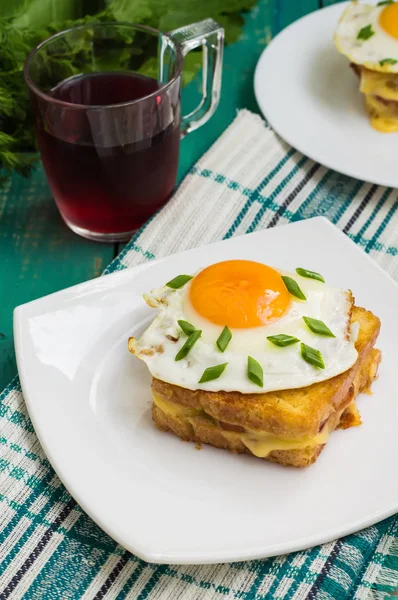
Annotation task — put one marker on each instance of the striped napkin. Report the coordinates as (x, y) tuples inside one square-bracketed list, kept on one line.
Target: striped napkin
[(50, 549)]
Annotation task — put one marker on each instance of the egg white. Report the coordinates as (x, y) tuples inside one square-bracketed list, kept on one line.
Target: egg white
[(284, 368), (369, 52)]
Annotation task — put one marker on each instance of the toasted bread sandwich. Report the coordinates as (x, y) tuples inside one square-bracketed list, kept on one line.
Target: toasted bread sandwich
[(368, 36), (263, 407)]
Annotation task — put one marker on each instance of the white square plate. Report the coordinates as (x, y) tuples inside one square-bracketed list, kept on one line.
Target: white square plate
[(89, 400)]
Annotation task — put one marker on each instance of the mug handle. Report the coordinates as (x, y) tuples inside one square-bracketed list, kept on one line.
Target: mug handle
[(209, 35)]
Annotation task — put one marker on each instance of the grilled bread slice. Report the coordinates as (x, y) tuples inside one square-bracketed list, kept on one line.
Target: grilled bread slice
[(289, 426)]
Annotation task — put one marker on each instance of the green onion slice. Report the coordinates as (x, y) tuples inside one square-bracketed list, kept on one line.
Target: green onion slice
[(388, 61), (384, 2), (187, 328), (365, 33), (254, 371), (224, 339), (312, 356), (179, 281), (282, 340), (293, 287), (190, 342), (318, 327), (309, 274), (212, 373)]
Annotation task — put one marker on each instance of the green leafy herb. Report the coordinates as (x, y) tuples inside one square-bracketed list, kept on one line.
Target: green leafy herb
[(179, 281), (365, 33), (187, 328), (388, 61), (186, 348), (282, 340), (309, 274), (384, 2), (212, 373), (26, 23), (312, 356), (318, 327), (293, 287), (254, 371), (224, 339)]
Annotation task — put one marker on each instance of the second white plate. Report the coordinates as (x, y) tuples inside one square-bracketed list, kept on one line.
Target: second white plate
[(310, 96)]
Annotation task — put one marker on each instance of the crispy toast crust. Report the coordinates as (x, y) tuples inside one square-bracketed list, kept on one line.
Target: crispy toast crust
[(285, 413), (204, 430)]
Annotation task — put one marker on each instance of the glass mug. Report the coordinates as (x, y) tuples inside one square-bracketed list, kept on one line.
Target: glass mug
[(106, 100)]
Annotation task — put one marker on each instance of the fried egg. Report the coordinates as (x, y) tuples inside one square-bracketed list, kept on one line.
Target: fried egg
[(368, 35), (253, 301)]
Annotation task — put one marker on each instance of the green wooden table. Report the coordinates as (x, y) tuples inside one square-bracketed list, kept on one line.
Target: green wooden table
[(39, 255)]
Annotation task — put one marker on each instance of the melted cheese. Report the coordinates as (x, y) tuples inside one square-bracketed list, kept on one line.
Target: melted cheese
[(375, 85), (353, 411), (173, 409), (260, 444), (384, 85), (383, 117)]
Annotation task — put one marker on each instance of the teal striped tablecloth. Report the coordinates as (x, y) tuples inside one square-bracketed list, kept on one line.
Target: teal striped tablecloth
[(50, 549)]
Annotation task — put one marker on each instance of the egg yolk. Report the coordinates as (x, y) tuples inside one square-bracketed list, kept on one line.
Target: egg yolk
[(389, 19), (239, 293)]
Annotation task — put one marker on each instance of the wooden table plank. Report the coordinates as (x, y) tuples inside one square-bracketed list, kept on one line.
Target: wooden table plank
[(325, 3), (39, 255)]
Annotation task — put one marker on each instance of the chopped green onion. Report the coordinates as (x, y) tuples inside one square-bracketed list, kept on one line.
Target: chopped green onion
[(179, 281), (365, 33), (293, 287), (254, 371), (384, 2), (191, 341), (312, 356), (224, 339), (388, 61), (309, 274), (212, 373), (318, 327), (187, 328), (282, 340)]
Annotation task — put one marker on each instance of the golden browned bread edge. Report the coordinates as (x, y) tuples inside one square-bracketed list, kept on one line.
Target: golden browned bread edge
[(290, 413), (203, 430)]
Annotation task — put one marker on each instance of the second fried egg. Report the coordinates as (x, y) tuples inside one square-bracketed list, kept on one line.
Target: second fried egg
[(368, 35)]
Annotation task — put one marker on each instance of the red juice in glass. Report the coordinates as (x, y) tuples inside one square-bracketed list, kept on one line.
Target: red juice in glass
[(101, 184)]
